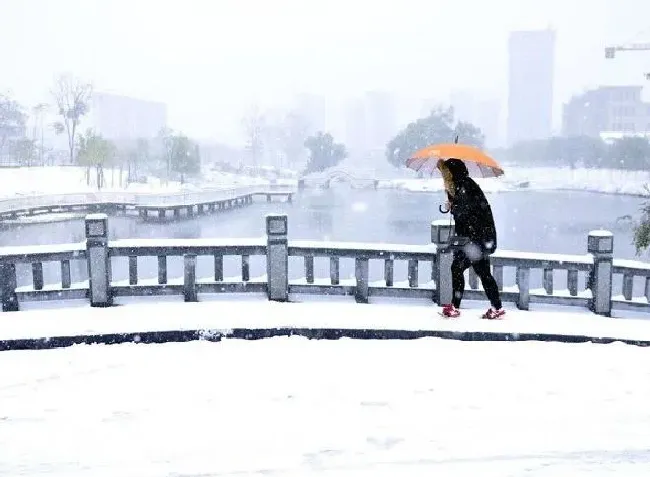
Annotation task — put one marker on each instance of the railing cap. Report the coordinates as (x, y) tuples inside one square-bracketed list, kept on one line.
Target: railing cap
[(600, 242), (96, 226), (442, 223), (276, 224), (601, 233), (96, 217), (441, 230)]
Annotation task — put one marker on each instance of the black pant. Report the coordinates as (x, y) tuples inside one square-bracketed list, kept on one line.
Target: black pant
[(482, 268)]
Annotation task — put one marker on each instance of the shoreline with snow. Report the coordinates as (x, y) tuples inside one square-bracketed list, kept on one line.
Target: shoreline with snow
[(54, 180), (540, 179), (22, 182)]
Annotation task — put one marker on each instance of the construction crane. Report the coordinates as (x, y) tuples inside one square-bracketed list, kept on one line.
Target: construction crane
[(610, 51)]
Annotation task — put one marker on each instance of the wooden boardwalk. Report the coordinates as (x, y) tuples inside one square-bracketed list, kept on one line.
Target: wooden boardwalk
[(147, 206)]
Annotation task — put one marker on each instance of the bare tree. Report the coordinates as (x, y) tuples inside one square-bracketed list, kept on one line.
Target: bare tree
[(255, 130), (38, 134), (12, 120), (296, 129), (24, 150), (166, 137), (72, 97)]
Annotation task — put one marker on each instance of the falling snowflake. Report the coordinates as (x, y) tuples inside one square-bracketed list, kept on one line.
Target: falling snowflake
[(473, 252)]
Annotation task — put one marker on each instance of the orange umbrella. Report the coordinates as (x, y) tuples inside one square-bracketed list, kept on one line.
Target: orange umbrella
[(478, 163)]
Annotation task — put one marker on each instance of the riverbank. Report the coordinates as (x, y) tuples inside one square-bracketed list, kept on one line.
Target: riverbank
[(31, 181), (604, 181), (59, 180)]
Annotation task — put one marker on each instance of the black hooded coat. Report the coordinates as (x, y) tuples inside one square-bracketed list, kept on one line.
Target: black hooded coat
[(471, 211)]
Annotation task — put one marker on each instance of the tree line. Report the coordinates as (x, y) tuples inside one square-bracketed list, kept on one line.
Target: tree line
[(630, 153), (171, 155), (290, 141)]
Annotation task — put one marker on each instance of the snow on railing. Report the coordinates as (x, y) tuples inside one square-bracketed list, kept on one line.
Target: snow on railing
[(631, 270), (278, 267)]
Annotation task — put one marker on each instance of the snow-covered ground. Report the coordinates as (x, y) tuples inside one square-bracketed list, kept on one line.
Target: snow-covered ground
[(608, 181), (294, 407), (57, 180), (27, 181), (225, 312)]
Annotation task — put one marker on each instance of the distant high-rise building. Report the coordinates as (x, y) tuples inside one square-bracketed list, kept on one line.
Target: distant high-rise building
[(530, 85), (122, 118), (608, 110)]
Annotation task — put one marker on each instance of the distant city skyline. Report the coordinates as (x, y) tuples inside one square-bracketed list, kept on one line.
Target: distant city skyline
[(210, 61), (607, 112)]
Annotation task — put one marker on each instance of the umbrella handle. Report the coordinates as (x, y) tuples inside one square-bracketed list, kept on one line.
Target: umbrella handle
[(442, 211)]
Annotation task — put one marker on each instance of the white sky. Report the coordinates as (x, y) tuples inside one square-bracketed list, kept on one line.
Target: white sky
[(209, 60)]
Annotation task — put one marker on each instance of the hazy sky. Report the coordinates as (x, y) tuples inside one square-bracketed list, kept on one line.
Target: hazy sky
[(209, 59)]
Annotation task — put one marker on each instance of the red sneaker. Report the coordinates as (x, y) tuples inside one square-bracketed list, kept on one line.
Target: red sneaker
[(493, 314), (450, 311)]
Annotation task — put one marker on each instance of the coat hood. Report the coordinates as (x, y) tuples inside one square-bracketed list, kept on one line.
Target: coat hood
[(457, 168)]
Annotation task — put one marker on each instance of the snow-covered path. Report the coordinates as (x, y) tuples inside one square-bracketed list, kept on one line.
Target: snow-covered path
[(290, 406), (41, 320)]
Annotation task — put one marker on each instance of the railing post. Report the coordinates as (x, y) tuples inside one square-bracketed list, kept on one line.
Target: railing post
[(189, 277), (523, 283), (361, 268), (600, 244), (277, 257), (99, 262), (441, 232), (8, 286)]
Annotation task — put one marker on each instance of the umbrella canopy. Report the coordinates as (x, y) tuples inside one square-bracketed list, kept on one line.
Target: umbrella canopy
[(478, 163)]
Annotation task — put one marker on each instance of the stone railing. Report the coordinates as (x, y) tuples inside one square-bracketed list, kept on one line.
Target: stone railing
[(109, 269)]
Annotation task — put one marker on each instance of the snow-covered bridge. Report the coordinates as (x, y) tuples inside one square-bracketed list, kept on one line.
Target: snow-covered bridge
[(380, 403), (357, 178), (284, 270)]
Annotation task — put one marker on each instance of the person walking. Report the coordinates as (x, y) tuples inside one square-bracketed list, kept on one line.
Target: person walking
[(473, 221)]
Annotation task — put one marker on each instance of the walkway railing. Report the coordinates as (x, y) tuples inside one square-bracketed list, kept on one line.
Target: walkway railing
[(278, 267)]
